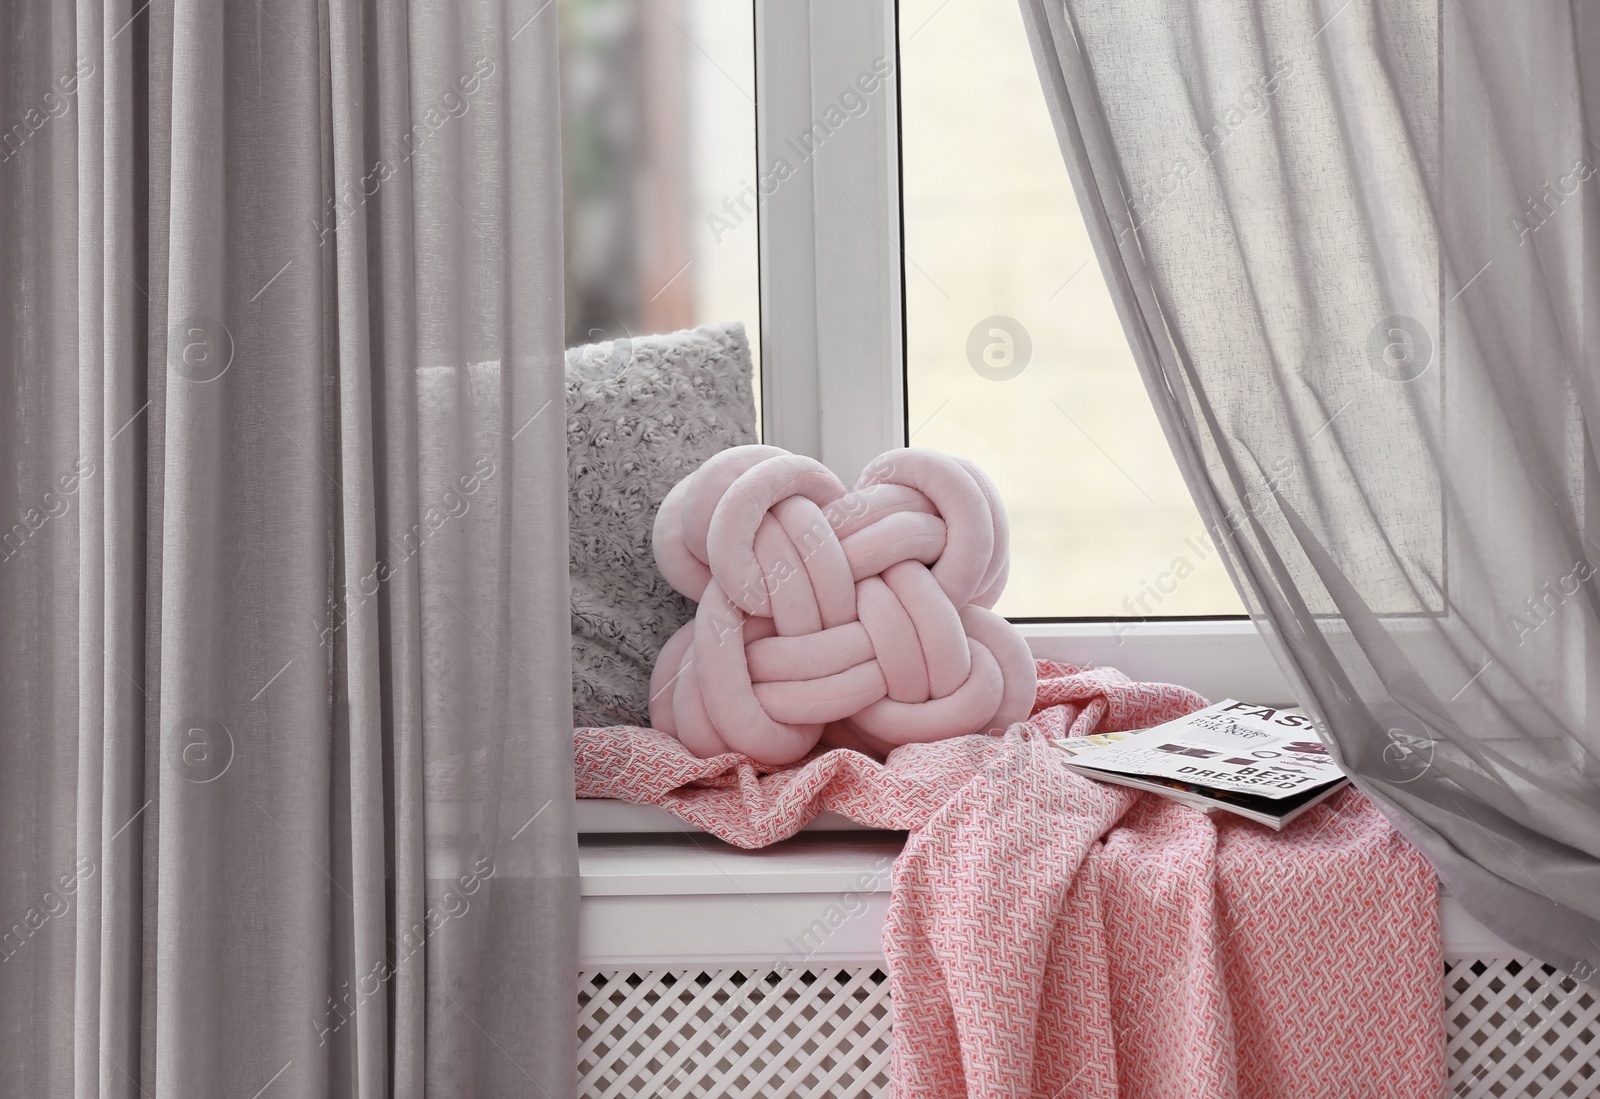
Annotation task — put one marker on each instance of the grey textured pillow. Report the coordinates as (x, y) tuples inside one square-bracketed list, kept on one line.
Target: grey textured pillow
[(642, 413)]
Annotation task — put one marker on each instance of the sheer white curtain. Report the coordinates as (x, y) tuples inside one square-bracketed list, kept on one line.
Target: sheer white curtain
[(259, 600), (1356, 247)]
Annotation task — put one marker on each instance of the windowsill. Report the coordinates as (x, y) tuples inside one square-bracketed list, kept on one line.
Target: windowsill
[(664, 901), (690, 899)]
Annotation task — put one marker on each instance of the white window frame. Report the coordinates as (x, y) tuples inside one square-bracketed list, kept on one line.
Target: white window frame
[(833, 356)]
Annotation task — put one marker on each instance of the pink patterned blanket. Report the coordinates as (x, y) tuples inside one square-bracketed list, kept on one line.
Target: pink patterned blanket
[(1054, 937)]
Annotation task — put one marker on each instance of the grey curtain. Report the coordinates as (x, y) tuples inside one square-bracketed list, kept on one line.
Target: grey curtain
[(271, 577), (1356, 247)]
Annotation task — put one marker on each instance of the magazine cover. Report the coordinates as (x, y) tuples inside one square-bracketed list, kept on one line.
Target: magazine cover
[(1238, 747)]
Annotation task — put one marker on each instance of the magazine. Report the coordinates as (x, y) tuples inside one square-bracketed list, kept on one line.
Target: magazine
[(1264, 763)]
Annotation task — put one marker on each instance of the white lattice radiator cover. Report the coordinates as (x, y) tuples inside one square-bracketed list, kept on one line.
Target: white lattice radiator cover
[(669, 1033), (1521, 1030), (1517, 1030)]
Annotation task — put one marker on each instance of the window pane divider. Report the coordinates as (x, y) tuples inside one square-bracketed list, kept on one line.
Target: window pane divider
[(827, 139)]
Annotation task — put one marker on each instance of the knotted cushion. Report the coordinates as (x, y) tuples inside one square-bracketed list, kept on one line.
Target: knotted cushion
[(859, 618)]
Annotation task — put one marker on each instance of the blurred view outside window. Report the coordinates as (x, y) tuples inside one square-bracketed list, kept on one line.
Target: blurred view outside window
[(1015, 357), (658, 116)]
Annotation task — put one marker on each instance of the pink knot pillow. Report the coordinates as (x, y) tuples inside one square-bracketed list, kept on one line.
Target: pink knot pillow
[(854, 617)]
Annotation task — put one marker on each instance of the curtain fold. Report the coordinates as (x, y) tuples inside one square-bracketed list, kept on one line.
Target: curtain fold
[(284, 671), (1354, 248)]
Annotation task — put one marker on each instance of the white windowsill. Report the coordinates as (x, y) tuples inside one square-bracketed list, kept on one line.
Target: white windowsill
[(664, 901)]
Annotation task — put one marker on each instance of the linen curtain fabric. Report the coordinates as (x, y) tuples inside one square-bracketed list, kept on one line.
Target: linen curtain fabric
[(254, 594), (1354, 246)]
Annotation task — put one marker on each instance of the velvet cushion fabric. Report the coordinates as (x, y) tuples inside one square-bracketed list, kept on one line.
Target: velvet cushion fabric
[(860, 617)]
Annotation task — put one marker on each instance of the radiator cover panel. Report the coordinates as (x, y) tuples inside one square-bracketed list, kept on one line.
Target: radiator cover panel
[(1516, 1029)]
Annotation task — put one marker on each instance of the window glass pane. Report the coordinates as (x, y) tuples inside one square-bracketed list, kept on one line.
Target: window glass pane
[(1015, 357), (658, 116)]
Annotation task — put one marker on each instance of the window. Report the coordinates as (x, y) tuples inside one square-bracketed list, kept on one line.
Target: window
[(876, 190)]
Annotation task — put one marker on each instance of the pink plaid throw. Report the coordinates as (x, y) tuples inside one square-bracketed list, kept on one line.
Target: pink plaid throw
[(1054, 937)]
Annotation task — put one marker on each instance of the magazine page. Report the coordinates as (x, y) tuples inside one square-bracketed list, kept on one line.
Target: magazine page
[(1267, 751)]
